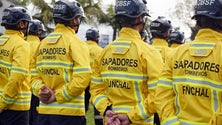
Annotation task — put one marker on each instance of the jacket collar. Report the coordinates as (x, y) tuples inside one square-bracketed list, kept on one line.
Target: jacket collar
[(13, 32), (159, 42), (90, 42), (208, 35), (129, 34), (61, 28)]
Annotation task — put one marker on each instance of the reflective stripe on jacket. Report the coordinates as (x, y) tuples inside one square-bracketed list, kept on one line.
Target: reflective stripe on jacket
[(63, 65), (124, 74), (190, 88), (14, 69)]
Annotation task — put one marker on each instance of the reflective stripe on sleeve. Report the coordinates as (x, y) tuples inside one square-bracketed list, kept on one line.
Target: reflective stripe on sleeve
[(8, 100), (98, 99), (5, 64), (35, 85), (65, 94), (78, 70), (96, 80), (19, 70), (34, 72), (165, 83), (171, 121)]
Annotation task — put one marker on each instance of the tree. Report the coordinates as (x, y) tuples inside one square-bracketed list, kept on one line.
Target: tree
[(93, 12), (182, 13)]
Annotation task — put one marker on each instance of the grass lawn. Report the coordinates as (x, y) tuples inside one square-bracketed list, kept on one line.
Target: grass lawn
[(90, 116)]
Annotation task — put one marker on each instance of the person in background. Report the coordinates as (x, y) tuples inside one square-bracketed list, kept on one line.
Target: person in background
[(190, 87), (92, 37), (127, 70), (62, 69), (35, 30), (15, 94), (160, 30), (43, 35), (176, 38)]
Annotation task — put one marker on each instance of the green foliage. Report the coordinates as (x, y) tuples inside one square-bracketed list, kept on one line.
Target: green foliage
[(45, 14), (19, 2), (90, 116), (95, 15)]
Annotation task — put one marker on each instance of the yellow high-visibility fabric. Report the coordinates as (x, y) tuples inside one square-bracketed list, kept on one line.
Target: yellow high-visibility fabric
[(14, 69), (190, 87), (63, 65), (124, 75)]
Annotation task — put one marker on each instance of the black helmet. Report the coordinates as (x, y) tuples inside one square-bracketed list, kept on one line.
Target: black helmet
[(131, 8), (211, 9), (177, 37), (14, 14), (35, 26), (160, 26), (66, 10), (92, 34)]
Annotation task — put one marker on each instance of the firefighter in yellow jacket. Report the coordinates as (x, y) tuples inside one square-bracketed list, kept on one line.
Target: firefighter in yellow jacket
[(126, 71), (15, 94), (160, 30), (62, 69), (36, 28), (190, 87), (92, 37)]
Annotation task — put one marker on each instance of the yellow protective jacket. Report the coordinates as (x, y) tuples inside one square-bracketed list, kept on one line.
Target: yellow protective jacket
[(34, 42), (174, 45), (15, 91), (162, 46), (94, 50), (63, 65), (189, 90), (124, 74)]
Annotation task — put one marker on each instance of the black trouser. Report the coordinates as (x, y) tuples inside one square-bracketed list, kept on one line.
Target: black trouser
[(33, 118), (12, 117), (156, 119), (87, 97), (45, 119)]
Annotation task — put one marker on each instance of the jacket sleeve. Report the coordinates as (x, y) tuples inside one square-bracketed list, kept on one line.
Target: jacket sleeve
[(165, 96), (154, 66), (81, 74), (18, 73), (98, 89), (36, 80)]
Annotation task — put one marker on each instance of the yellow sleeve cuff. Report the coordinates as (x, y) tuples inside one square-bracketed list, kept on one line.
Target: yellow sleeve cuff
[(59, 97)]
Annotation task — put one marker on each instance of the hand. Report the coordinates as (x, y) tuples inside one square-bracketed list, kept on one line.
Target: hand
[(46, 95), (124, 119), (1, 110), (111, 118)]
